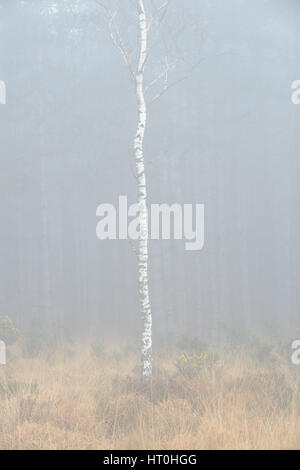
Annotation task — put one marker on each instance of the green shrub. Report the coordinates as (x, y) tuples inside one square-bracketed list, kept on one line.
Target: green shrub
[(8, 332), (192, 364)]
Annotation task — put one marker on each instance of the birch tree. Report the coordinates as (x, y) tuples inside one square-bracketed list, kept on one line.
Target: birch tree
[(147, 19), (145, 305)]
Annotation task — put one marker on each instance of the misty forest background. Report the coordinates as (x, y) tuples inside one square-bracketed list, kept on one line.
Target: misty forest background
[(226, 136)]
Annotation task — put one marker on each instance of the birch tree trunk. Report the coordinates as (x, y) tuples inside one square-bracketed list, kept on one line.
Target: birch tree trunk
[(161, 79), (145, 307)]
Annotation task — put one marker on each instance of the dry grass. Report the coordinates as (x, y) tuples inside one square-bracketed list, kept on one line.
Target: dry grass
[(76, 399)]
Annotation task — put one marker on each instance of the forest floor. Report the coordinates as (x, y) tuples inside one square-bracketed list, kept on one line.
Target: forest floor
[(85, 395)]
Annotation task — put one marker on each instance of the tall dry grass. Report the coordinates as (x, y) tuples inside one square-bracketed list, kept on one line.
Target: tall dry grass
[(83, 397)]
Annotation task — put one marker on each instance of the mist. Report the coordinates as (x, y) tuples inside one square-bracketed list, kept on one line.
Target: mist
[(225, 136)]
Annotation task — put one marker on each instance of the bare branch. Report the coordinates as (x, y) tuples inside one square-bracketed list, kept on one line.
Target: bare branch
[(176, 82), (161, 12), (163, 75), (116, 37), (160, 16)]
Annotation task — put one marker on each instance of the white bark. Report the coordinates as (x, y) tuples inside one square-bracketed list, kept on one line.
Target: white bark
[(145, 306), (137, 75)]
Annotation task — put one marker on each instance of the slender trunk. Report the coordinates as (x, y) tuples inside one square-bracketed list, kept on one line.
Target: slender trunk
[(145, 307)]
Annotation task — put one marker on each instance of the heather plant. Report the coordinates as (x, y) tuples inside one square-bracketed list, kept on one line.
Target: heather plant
[(8, 332), (191, 364)]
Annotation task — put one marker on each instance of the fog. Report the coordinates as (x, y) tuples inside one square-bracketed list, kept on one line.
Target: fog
[(226, 135)]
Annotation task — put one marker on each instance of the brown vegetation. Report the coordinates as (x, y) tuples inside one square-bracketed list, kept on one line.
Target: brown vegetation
[(90, 397)]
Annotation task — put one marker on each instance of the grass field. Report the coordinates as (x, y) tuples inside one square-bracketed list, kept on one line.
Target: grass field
[(86, 395)]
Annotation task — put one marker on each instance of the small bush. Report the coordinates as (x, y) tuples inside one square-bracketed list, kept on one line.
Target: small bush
[(192, 364), (8, 332)]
